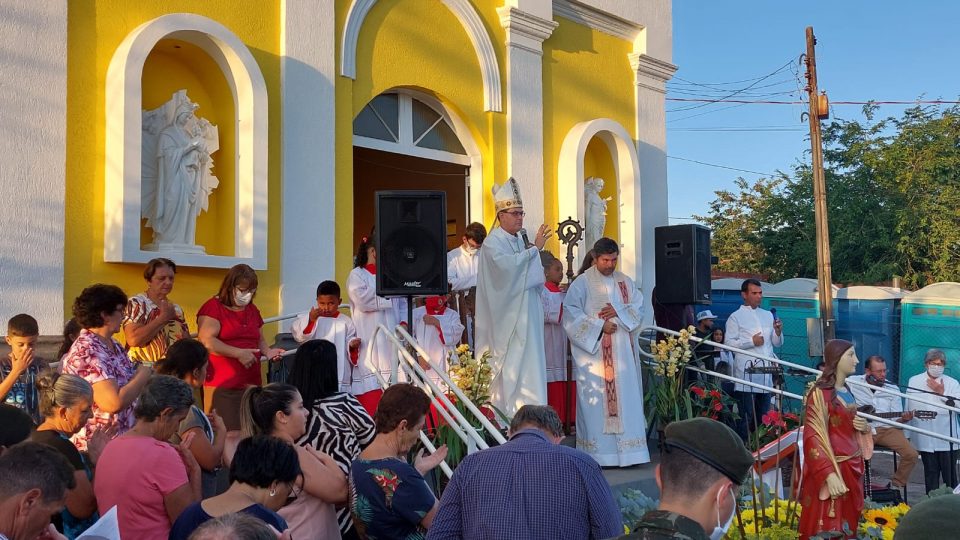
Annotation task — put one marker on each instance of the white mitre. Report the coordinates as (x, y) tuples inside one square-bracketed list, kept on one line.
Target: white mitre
[(507, 195)]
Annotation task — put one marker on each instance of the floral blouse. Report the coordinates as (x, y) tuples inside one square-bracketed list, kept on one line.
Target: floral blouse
[(92, 360)]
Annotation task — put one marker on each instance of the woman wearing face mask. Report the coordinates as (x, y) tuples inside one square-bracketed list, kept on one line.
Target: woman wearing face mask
[(928, 390), (831, 487), (230, 326)]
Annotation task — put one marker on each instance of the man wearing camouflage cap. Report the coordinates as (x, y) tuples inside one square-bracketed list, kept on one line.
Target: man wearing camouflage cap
[(700, 471)]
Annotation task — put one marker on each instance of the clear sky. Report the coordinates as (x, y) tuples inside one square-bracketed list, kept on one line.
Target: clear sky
[(881, 50)]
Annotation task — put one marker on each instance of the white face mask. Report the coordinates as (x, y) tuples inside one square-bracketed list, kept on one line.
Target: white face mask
[(935, 371), (721, 530), (242, 299)]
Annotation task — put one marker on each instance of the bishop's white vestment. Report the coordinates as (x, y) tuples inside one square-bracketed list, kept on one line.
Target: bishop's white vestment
[(610, 423), (510, 321)]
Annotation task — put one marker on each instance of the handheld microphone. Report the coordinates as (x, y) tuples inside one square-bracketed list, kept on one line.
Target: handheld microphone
[(773, 311), (523, 237)]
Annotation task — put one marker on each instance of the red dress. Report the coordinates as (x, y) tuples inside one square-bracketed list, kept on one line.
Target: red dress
[(830, 444), (239, 329)]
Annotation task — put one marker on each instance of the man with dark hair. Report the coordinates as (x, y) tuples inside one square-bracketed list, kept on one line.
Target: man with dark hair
[(500, 492), (462, 267), (875, 375), (700, 472), (758, 331), (36, 478), (601, 314)]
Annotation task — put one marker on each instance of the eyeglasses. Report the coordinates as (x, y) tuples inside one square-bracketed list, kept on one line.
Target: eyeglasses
[(516, 213)]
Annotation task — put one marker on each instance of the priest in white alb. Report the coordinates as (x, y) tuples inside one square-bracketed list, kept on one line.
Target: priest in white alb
[(601, 314), (509, 313)]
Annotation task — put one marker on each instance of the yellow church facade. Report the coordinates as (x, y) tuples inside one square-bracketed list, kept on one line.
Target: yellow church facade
[(316, 105)]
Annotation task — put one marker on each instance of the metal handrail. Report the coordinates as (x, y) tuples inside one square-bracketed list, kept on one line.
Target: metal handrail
[(791, 395), (412, 369), (798, 367)]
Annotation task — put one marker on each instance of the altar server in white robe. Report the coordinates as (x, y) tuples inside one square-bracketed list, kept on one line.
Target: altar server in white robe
[(560, 391), (509, 313), (438, 329), (601, 313), (324, 321), (368, 311)]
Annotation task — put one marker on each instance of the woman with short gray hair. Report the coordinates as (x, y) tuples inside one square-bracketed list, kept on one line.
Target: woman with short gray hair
[(929, 391), (65, 403), (149, 480)]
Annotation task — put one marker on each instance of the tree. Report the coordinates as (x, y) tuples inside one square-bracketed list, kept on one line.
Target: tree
[(893, 199)]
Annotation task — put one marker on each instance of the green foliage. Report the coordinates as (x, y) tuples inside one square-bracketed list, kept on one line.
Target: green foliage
[(893, 193), (633, 505)]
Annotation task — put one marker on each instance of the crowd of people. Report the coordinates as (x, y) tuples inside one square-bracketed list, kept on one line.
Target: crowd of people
[(183, 438)]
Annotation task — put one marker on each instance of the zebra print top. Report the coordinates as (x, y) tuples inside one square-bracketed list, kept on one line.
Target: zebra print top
[(339, 427)]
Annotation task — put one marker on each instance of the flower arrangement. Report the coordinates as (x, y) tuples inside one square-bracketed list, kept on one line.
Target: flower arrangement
[(633, 505), (777, 520), (772, 426), (472, 375), (712, 402), (670, 399), (880, 522)]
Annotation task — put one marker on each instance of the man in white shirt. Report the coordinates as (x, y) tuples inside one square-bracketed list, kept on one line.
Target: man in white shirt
[(462, 266), (756, 330), (875, 374), (931, 390)]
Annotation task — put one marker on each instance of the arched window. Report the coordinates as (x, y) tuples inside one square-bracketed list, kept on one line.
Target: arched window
[(404, 124)]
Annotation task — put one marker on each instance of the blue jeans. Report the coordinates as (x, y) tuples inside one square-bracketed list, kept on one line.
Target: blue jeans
[(752, 407)]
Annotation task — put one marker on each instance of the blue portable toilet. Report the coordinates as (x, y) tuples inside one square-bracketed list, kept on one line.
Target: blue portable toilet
[(869, 317), (795, 300), (930, 319)]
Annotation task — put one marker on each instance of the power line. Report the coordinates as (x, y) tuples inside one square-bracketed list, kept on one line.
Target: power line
[(737, 92), (771, 102), (723, 166)]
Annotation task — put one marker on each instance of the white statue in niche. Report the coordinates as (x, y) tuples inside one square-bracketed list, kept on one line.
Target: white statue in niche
[(176, 173), (595, 210)]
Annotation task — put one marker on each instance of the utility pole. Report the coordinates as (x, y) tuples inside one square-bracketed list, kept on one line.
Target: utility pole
[(819, 108)]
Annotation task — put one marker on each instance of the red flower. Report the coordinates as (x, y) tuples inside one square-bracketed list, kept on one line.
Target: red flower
[(772, 418), (717, 406), (697, 390), (715, 394)]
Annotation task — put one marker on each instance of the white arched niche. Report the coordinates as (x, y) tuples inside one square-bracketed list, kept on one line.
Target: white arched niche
[(123, 140), (472, 24), (570, 179)]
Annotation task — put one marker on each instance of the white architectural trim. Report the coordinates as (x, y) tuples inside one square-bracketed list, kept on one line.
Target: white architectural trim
[(570, 177), (524, 30), (472, 24), (651, 73), (123, 140), (597, 19), (308, 70), (473, 158)]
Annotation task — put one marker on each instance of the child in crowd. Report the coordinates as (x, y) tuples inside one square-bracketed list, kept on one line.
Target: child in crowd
[(559, 390), (324, 321), (438, 330), (19, 370)]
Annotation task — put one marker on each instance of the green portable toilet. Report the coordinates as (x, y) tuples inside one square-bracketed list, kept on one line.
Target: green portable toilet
[(930, 320), (795, 300)]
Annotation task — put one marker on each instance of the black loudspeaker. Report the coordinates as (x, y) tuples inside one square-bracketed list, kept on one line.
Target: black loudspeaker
[(411, 242), (683, 264)]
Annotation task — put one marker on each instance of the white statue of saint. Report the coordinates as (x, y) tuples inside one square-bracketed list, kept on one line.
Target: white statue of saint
[(177, 173), (595, 210)]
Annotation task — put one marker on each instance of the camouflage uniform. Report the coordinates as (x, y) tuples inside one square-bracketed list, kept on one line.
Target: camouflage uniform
[(659, 524)]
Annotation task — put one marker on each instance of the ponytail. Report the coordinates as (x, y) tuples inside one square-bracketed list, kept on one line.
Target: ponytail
[(260, 405)]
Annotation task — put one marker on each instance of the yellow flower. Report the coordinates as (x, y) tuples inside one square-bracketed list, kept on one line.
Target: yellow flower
[(880, 517)]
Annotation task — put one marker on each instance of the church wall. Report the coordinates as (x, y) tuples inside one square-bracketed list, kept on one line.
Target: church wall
[(95, 29), (33, 135), (416, 44), (587, 75)]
